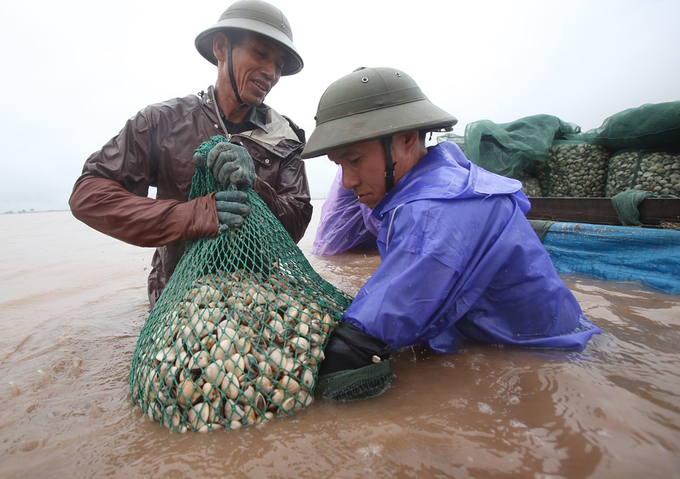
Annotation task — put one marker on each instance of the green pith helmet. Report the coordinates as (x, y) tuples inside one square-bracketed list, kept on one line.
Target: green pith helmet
[(372, 103), (254, 16)]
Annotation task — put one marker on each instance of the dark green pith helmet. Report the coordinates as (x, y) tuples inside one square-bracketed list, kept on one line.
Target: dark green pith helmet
[(372, 103), (254, 16)]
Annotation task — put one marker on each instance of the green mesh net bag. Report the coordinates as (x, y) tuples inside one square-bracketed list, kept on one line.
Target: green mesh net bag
[(509, 149), (238, 334), (655, 171), (649, 126), (574, 168)]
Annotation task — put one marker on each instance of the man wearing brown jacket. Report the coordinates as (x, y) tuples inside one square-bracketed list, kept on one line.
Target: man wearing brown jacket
[(252, 47)]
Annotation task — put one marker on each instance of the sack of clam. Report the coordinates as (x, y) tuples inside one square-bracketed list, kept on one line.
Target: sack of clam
[(656, 171), (238, 335), (574, 169)]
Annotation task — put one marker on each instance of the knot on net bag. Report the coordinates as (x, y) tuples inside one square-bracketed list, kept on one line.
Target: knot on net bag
[(239, 332)]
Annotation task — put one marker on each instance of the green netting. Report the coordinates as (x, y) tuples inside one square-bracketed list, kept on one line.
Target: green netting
[(363, 383), (650, 126), (238, 334), (511, 148), (626, 206)]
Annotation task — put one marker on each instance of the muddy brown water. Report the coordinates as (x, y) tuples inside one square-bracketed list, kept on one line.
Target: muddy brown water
[(73, 302)]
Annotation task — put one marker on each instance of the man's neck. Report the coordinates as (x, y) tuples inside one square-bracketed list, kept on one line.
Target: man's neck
[(233, 111)]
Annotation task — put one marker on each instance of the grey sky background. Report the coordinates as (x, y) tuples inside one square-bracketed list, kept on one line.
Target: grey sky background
[(74, 71)]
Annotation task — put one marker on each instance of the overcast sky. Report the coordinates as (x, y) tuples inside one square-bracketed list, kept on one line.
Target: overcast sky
[(74, 71)]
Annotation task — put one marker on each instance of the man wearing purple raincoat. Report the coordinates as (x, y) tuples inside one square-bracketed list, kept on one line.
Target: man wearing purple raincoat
[(459, 258)]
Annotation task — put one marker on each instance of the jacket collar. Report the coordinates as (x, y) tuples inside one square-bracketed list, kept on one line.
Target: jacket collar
[(445, 173), (277, 135), (255, 118)]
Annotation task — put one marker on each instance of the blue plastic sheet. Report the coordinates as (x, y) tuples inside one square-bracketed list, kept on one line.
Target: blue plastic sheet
[(616, 253)]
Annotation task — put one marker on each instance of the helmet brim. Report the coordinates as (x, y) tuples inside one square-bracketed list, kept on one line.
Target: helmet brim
[(419, 115), (204, 41)]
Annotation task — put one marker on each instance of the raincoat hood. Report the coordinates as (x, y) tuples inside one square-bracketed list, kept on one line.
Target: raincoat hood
[(462, 179)]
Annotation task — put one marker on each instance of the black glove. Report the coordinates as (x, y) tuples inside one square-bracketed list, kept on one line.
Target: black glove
[(231, 165), (356, 365), (231, 208)]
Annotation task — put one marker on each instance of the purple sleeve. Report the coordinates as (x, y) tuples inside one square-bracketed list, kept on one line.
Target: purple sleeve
[(345, 223)]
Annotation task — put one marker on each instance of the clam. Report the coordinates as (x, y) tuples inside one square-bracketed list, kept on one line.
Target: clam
[(167, 355), (299, 344), (277, 397), (230, 386), (214, 373), (288, 405), (264, 384), (197, 416), (188, 393), (289, 384), (307, 378), (223, 349)]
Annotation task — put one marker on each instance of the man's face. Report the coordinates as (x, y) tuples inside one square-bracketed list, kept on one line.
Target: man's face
[(257, 63), (363, 170)]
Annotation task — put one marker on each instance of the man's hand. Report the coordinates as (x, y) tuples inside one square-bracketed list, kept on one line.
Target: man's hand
[(356, 365), (231, 208), (231, 165)]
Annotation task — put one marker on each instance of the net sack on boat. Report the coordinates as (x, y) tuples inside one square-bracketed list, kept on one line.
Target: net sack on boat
[(655, 171), (511, 148), (650, 126), (239, 332), (574, 168)]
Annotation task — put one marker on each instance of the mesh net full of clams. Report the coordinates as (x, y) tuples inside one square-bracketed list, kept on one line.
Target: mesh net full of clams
[(654, 171), (574, 170), (239, 332)]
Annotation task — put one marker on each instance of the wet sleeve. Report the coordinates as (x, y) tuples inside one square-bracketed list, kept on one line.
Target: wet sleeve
[(400, 302), (290, 201), (106, 206), (111, 194), (344, 224)]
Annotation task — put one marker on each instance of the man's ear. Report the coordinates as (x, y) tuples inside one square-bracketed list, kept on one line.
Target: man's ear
[(220, 42), (407, 140)]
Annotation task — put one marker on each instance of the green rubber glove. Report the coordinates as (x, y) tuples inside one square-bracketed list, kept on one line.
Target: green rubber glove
[(231, 165), (231, 208)]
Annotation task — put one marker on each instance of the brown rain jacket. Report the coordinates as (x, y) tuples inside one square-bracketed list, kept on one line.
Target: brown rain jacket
[(155, 148)]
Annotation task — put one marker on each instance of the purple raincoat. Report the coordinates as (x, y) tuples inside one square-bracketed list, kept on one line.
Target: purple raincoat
[(460, 260), (345, 223)]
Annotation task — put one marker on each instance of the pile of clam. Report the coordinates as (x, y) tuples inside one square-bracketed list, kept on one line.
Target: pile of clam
[(575, 170), (530, 185), (657, 172), (239, 349)]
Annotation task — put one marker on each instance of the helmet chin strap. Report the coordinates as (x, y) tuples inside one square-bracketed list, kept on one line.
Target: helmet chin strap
[(389, 164), (230, 68)]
